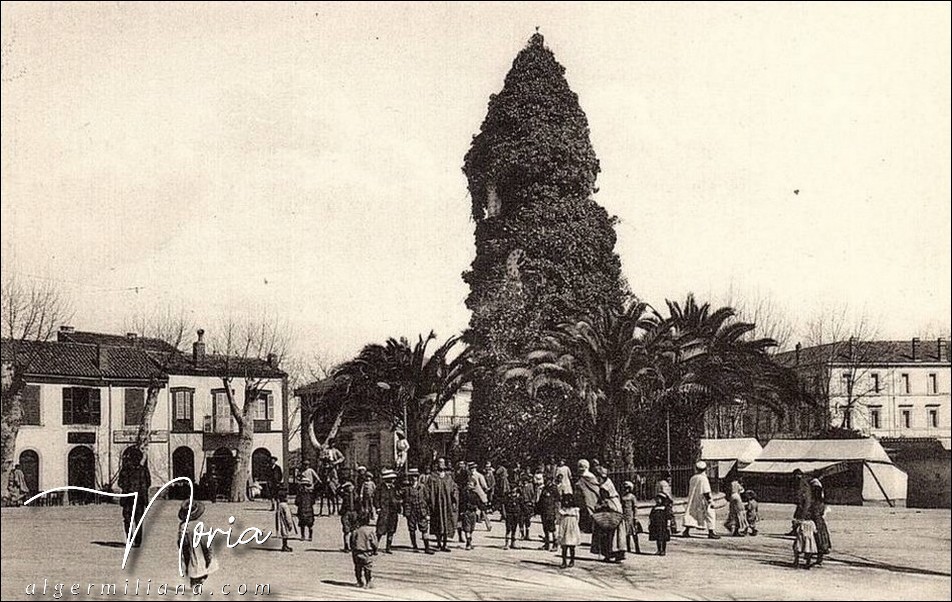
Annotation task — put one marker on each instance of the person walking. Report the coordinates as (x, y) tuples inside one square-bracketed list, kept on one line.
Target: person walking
[(275, 481), (387, 503), (700, 504), (443, 501), (134, 477), (417, 511)]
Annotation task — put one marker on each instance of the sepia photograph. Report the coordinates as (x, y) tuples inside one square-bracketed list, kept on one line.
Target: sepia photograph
[(476, 300)]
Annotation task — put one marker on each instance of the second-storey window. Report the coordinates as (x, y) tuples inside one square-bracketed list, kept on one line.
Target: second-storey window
[(182, 410), (81, 406), (264, 411), (222, 420), (904, 384), (30, 405), (134, 406)]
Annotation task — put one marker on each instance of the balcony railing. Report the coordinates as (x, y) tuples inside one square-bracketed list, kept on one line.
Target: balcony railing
[(448, 423)]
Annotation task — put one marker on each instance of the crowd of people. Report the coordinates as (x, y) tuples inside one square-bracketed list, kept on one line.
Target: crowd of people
[(443, 502)]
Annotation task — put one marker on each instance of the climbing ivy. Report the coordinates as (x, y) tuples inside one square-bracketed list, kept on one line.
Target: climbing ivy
[(544, 247)]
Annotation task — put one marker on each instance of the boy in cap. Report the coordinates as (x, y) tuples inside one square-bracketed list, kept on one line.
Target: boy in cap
[(348, 510), (417, 510), (548, 509), (363, 548), (387, 502)]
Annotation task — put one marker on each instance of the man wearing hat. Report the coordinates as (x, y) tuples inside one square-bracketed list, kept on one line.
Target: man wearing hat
[(700, 504), (416, 510), (477, 482), (387, 501)]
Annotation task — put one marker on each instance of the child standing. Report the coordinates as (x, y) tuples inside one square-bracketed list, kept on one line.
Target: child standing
[(628, 508), (304, 501), (569, 533), (753, 511), (348, 510), (513, 507), (469, 505), (528, 504), (548, 509), (659, 523), (198, 560), (363, 548), (284, 525), (804, 543)]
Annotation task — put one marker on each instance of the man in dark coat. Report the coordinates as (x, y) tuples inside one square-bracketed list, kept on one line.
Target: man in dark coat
[(275, 480), (134, 477), (443, 501), (387, 502)]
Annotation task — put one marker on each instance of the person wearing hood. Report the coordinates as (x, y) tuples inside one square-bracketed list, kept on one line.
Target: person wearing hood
[(700, 504)]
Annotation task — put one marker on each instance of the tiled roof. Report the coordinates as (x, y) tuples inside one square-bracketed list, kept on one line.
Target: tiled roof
[(115, 340), (216, 365), (885, 352), (59, 359)]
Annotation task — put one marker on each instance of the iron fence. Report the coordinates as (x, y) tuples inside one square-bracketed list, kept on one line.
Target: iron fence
[(645, 480)]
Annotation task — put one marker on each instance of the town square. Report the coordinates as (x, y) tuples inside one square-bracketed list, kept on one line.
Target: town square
[(321, 300)]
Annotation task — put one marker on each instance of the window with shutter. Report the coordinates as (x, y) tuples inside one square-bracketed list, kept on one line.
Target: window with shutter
[(81, 406), (134, 406), (30, 405)]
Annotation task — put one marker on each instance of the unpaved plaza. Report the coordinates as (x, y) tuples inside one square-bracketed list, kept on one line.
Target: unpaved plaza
[(879, 553)]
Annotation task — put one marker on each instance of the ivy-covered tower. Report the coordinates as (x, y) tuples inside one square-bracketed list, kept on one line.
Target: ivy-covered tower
[(544, 247)]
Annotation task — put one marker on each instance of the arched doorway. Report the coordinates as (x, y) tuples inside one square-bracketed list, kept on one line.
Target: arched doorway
[(30, 465), (183, 465), (221, 468), (81, 469), (261, 469)]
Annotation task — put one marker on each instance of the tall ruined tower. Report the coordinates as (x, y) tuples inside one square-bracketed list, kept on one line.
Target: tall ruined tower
[(544, 247)]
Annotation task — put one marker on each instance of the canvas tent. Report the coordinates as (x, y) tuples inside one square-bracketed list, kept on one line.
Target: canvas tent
[(727, 454), (853, 471)]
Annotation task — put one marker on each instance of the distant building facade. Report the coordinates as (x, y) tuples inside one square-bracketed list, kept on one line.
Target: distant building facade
[(883, 389), (83, 403), (366, 440)]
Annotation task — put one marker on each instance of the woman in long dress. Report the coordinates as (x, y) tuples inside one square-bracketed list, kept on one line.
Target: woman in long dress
[(737, 513), (817, 513), (609, 543)]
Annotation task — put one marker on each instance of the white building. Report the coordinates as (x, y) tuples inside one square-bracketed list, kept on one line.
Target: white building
[(886, 389), (83, 402)]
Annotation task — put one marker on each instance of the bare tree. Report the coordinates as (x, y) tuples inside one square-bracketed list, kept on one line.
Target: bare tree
[(31, 312), (170, 326), (251, 351), (769, 318), (316, 366), (841, 377)]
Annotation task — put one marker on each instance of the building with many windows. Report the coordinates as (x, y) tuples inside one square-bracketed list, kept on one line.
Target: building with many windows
[(883, 389), (84, 397)]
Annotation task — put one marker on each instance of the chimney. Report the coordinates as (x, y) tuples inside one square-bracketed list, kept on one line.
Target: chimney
[(66, 328), (198, 347), (941, 350), (272, 360), (132, 336), (102, 359), (798, 348), (852, 348), (915, 348)]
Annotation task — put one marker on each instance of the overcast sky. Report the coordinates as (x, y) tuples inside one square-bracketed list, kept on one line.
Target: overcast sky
[(305, 158)]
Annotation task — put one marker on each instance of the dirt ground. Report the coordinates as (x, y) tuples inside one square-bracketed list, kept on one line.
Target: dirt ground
[(879, 553)]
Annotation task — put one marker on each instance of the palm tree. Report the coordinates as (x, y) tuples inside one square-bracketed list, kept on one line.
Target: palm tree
[(596, 358), (632, 367), (407, 387)]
